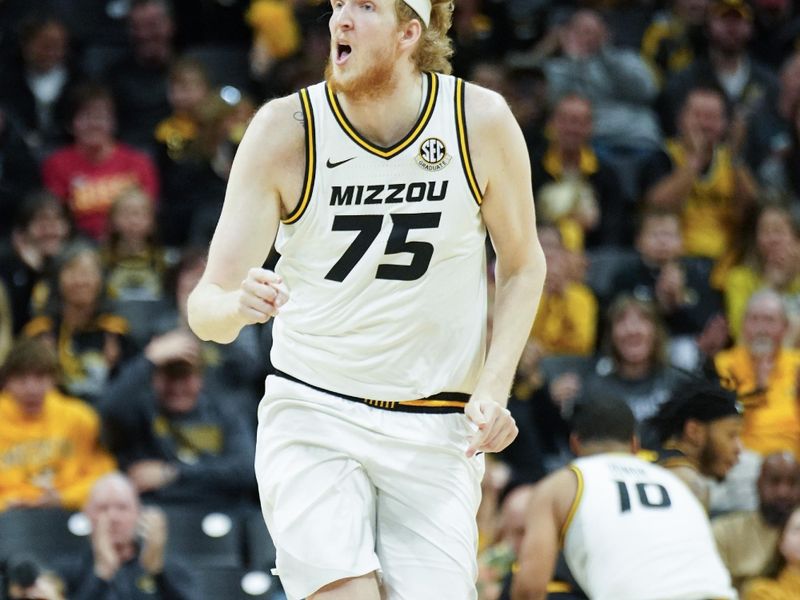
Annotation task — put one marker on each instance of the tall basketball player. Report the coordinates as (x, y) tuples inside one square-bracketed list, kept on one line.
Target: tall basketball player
[(380, 184)]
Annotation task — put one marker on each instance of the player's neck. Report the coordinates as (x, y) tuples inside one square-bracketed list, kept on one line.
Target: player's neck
[(689, 449), (387, 118), (605, 447)]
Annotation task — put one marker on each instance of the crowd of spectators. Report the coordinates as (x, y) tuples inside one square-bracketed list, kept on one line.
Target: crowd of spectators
[(665, 142)]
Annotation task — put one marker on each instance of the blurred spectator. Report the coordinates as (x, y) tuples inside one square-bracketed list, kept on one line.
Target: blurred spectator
[(566, 322), (235, 371), (187, 177), (222, 124), (19, 172), (128, 559), (787, 582), (6, 323), (35, 89), (139, 82), (49, 443), (597, 214), (765, 375), (675, 37), (773, 261), (616, 81), (25, 579), (187, 87), (134, 262), (697, 175), (776, 31), (276, 33), (679, 286), (771, 138), (89, 174), (41, 229), (699, 429), (90, 342), (636, 369), (746, 540), (177, 442), (727, 66)]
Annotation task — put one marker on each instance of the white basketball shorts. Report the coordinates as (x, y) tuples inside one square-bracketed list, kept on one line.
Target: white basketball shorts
[(347, 489)]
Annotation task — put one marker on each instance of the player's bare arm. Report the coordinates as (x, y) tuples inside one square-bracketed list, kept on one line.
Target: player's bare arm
[(264, 183), (548, 511), (502, 167)]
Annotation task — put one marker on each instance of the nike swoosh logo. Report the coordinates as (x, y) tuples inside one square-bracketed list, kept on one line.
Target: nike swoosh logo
[(332, 165)]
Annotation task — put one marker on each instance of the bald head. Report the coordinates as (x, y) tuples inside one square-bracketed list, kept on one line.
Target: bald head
[(765, 322), (114, 485), (113, 507), (778, 487)]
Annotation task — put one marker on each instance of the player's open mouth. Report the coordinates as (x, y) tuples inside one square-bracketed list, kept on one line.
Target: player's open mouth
[(342, 53)]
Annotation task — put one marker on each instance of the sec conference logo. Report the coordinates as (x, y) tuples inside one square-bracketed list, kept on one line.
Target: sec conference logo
[(433, 155)]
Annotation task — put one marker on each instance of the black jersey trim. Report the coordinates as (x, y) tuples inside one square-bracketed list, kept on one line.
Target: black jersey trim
[(463, 143), (311, 159), (411, 136), (443, 402)]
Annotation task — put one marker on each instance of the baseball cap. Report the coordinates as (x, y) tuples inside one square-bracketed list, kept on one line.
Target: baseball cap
[(181, 367)]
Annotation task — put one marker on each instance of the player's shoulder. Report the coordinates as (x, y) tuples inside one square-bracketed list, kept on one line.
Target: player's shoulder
[(485, 107), (279, 122)]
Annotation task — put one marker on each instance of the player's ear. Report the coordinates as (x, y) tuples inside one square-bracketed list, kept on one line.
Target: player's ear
[(410, 33), (695, 432), (635, 445)]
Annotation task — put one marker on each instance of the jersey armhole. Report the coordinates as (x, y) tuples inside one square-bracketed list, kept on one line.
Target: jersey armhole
[(311, 159), (574, 507), (463, 142)]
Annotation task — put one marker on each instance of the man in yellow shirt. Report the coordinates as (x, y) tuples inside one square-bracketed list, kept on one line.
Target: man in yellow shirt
[(49, 443), (698, 174), (566, 322), (765, 375)]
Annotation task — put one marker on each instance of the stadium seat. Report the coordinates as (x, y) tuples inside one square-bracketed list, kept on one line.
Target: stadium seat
[(43, 533), (205, 539)]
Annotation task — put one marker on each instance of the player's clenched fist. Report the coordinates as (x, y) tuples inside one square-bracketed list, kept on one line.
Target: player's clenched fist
[(496, 427), (262, 293)]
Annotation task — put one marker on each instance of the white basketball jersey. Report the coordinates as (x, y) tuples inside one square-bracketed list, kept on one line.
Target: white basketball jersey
[(384, 256), (638, 533)]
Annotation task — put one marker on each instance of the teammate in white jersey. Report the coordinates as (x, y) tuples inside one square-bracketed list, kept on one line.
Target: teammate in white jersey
[(378, 186), (630, 530)]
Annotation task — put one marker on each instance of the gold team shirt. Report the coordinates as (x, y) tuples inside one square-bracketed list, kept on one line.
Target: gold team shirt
[(567, 324), (708, 213), (771, 416), (58, 449)]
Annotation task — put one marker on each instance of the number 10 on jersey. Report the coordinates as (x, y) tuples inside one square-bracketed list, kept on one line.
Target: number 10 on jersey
[(651, 495)]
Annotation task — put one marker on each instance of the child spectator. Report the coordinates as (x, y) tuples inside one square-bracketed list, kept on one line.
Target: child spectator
[(49, 443)]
